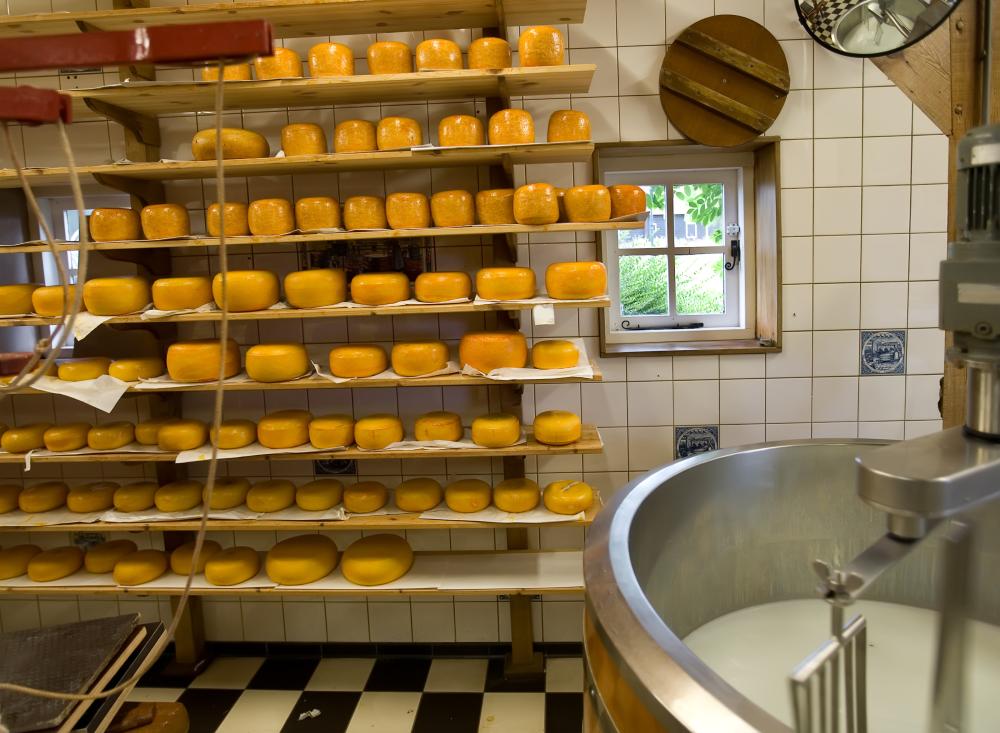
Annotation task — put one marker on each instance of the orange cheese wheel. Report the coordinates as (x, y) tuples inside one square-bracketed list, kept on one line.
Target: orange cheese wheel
[(541, 45), (439, 287), (554, 354), (354, 361), (354, 136), (505, 283), (419, 358), (79, 370), (453, 209), (132, 370), (236, 143), (489, 52), (418, 494), (375, 432), (97, 496), (495, 206), (567, 125), (468, 495), (438, 425), (557, 427), (24, 438), (230, 72), (407, 211), (330, 59), (389, 57), (626, 199), (277, 362), (181, 293), (178, 435), (16, 299), (163, 221), (489, 350), (233, 219), (232, 434), (284, 429), (456, 130), (568, 497), (115, 296), (512, 127), (147, 431), (48, 300), (365, 212), (270, 217), (394, 133), (576, 280), (536, 203), (588, 203), (284, 64), (317, 212), (113, 225), (496, 431), (109, 436), (516, 495), (303, 138), (43, 497), (437, 54), (331, 431), (198, 361), (60, 438), (380, 288), (365, 496), (246, 290), (315, 288)]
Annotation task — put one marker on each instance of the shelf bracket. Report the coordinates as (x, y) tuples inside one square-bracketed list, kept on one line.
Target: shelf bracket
[(148, 192), (146, 129)]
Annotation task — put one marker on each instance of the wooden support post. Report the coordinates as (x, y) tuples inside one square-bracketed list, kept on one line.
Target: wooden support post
[(189, 639)]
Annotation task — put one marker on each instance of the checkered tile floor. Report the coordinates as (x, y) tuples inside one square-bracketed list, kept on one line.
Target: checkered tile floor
[(387, 695)]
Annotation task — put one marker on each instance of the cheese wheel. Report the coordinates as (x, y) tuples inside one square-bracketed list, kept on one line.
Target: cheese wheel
[(496, 431), (516, 495), (232, 566), (110, 436), (54, 564), (365, 212), (101, 558), (588, 203), (489, 350), (181, 435), (182, 558), (198, 361), (440, 287), (303, 138), (140, 567), (277, 362), (365, 496), (407, 211), (165, 221), (453, 209), (283, 64), (227, 493), (230, 72), (353, 361), (135, 497), (233, 434), (468, 495), (419, 358), (568, 125), (375, 432), (236, 144), (301, 560), (178, 496), (181, 293), (554, 354), (536, 203), (319, 495), (436, 54), (60, 438), (8, 497), (557, 427), (418, 494), (330, 59), (489, 52), (93, 497), (132, 370), (147, 431), (393, 133), (438, 425), (505, 283), (113, 225), (354, 136), (271, 495), (116, 296), (246, 290), (495, 206), (512, 127), (460, 130), (576, 280), (626, 200), (317, 212), (43, 497), (568, 497), (24, 438), (80, 370), (270, 217), (389, 57), (49, 299), (14, 560), (331, 431), (284, 429), (16, 299), (380, 288), (233, 219), (316, 288), (541, 45), (376, 560)]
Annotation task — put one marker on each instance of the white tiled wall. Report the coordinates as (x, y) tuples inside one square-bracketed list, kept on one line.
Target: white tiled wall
[(864, 206)]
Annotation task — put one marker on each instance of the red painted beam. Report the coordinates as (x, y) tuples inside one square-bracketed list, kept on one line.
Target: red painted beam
[(32, 106)]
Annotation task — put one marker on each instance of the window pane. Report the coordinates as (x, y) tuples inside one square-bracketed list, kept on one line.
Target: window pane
[(698, 220), (701, 284), (643, 280), (655, 232)]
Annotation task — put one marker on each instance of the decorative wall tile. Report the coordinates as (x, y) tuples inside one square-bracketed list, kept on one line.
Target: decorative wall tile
[(692, 439), (883, 352)]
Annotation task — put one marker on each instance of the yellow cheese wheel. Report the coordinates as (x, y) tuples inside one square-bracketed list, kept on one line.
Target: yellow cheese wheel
[(437, 54), (181, 293), (303, 138), (468, 495), (505, 283), (460, 130), (93, 497), (568, 125), (418, 494), (43, 497), (407, 210), (115, 296), (246, 290), (557, 427), (317, 212), (14, 560), (352, 361), (66, 437), (283, 64), (330, 59), (233, 219), (516, 495), (277, 362), (236, 143), (389, 57), (232, 566), (438, 425), (24, 438), (113, 225), (316, 288), (16, 299), (376, 560), (8, 497), (284, 429), (165, 221), (365, 212), (576, 280), (182, 558), (140, 567), (375, 432), (536, 203), (365, 496), (331, 431), (49, 300), (588, 203), (301, 560), (101, 558), (110, 436), (55, 564), (489, 350), (453, 209), (180, 435), (319, 495), (198, 361), (489, 52), (568, 497), (227, 493), (495, 206), (626, 199), (419, 358), (80, 370), (554, 354), (354, 136), (511, 127), (541, 45), (270, 217), (496, 430), (136, 497), (147, 431), (271, 495), (230, 72), (178, 496), (393, 133), (380, 288), (439, 287), (132, 370), (234, 434)]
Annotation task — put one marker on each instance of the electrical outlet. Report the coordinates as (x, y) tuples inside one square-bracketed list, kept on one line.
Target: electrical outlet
[(334, 467)]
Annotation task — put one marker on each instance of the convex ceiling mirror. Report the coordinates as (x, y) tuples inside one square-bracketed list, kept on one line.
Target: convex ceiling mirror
[(872, 27)]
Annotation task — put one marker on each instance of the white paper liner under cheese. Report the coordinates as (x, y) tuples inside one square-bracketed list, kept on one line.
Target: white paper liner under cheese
[(153, 515), (464, 444), (153, 313), (451, 368), (86, 322), (102, 393), (62, 515), (295, 514), (583, 368), (81, 578), (204, 453), (165, 382), (42, 453), (538, 515)]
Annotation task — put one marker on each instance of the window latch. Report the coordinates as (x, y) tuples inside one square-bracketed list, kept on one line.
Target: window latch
[(733, 232), (629, 326)]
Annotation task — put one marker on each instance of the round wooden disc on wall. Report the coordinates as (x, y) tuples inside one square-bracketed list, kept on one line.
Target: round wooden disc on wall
[(723, 81)]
